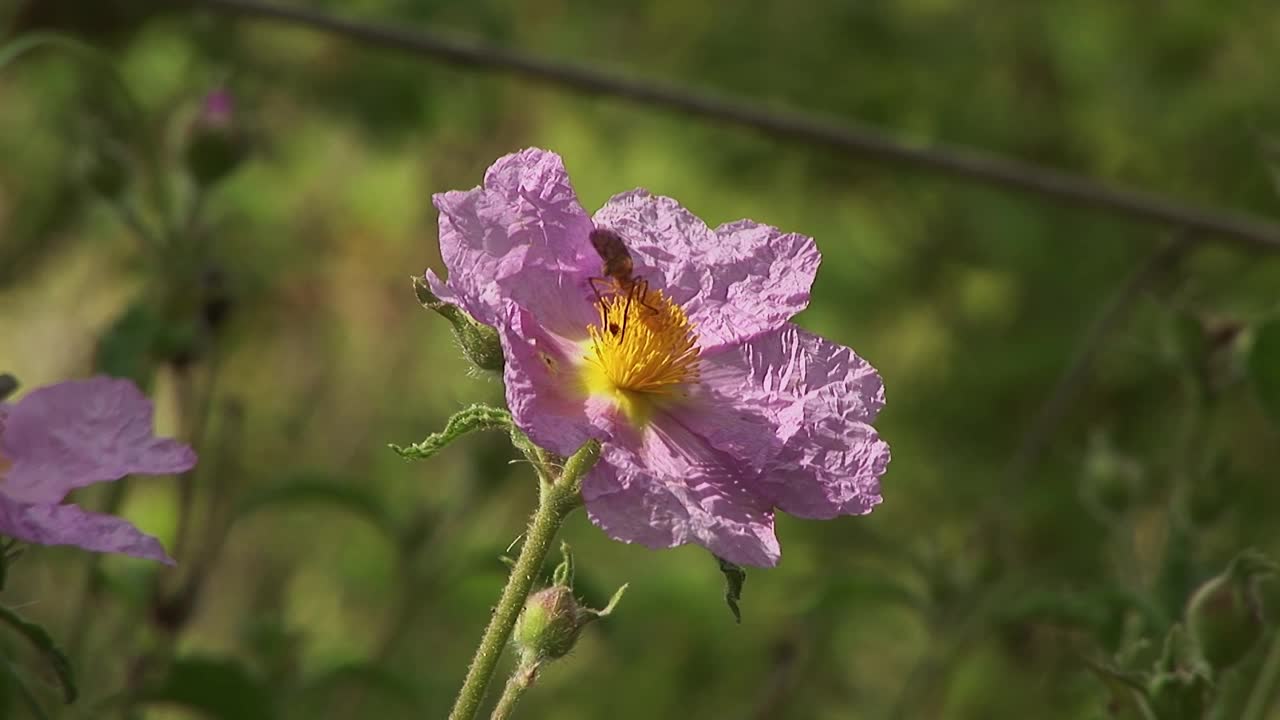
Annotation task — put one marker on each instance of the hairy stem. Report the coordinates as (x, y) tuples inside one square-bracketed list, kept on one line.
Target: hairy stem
[(556, 501), (521, 679)]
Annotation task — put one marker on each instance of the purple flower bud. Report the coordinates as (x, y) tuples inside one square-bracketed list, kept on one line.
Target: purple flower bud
[(219, 108), (217, 144)]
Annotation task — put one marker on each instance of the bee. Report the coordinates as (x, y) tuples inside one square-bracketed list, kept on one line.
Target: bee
[(619, 275)]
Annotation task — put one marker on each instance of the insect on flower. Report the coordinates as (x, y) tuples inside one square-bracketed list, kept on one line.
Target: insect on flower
[(715, 412), (619, 275)]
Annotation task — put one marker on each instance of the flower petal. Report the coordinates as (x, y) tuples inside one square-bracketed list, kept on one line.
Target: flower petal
[(819, 397), (541, 381), (735, 282), (50, 524), (81, 432), (523, 236), (669, 488)]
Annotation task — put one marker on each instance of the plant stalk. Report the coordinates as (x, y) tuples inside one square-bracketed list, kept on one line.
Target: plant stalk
[(556, 501), (521, 679)]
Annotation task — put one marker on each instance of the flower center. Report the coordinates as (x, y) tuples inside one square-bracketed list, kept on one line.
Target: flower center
[(643, 348)]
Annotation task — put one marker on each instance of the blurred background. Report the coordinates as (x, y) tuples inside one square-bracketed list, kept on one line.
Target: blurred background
[(246, 258)]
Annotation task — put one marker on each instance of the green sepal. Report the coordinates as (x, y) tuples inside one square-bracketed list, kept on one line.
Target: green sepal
[(734, 578), (478, 341)]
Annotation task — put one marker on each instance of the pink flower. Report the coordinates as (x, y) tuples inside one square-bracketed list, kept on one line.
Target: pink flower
[(76, 433), (713, 408)]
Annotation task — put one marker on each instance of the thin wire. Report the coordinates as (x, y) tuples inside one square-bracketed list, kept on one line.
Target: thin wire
[(985, 168)]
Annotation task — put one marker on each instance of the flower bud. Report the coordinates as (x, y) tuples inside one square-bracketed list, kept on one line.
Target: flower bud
[(552, 618), (549, 625), (217, 144), (1224, 615), (478, 341)]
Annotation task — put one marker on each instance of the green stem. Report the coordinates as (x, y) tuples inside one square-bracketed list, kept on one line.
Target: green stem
[(1264, 687), (521, 679), (557, 500)]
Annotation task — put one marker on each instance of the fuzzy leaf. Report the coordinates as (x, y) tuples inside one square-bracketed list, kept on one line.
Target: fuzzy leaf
[(476, 417)]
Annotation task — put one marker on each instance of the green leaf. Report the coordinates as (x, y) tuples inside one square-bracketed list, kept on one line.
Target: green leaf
[(476, 417), (44, 644), (734, 578), (127, 349), (217, 687), (1264, 366), (322, 489)]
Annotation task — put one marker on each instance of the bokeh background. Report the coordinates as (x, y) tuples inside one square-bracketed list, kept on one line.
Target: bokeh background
[(322, 576)]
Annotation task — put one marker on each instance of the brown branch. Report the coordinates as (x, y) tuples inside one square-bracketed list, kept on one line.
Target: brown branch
[(1060, 187)]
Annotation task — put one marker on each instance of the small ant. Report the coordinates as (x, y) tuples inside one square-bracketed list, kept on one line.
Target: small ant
[(618, 274)]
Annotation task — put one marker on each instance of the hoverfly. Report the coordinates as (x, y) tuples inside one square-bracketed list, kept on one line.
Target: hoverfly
[(619, 275)]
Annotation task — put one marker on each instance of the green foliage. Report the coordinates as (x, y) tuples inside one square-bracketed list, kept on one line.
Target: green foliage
[(1264, 366), (43, 643), (220, 688), (127, 349), (390, 683), (307, 489)]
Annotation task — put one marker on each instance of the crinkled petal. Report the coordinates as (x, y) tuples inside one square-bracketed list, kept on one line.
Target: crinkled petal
[(521, 236), (80, 432), (50, 524), (668, 488), (734, 282), (542, 384), (819, 398)]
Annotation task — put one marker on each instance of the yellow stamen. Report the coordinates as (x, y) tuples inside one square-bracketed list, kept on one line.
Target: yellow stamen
[(643, 349)]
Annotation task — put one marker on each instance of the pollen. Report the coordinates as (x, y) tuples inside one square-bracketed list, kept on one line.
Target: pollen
[(643, 349)]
